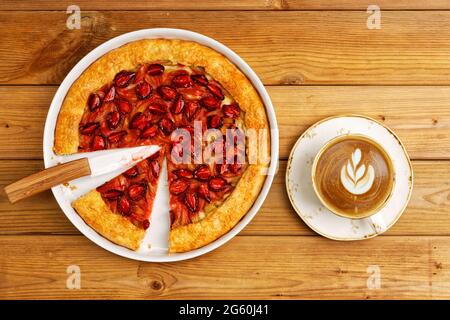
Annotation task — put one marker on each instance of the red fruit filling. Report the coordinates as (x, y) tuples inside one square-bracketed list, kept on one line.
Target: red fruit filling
[(145, 106)]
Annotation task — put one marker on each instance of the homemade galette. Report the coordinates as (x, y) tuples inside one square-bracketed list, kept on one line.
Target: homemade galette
[(147, 92)]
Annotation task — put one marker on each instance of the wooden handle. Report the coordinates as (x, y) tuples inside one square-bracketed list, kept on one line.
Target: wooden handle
[(46, 179)]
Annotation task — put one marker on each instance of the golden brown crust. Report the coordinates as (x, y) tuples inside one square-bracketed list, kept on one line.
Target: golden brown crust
[(128, 57), (112, 226)]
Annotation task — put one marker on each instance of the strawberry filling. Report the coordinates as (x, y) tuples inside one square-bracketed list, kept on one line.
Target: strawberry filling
[(131, 194), (145, 106)]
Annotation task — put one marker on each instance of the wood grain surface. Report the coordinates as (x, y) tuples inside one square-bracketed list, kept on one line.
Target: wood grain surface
[(317, 59), (272, 267), (287, 47), (229, 5)]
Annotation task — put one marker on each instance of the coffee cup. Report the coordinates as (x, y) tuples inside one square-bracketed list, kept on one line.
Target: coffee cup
[(353, 176)]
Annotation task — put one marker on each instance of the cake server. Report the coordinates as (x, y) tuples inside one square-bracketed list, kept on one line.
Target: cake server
[(93, 164)]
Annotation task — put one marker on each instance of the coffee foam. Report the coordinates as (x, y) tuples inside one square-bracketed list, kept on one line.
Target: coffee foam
[(353, 176), (356, 178)]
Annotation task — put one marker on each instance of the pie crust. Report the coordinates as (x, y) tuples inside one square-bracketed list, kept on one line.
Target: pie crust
[(114, 227), (93, 209)]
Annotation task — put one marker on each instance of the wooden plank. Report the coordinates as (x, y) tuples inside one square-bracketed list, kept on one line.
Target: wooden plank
[(419, 115), (291, 47), (225, 5), (273, 267), (428, 212), (22, 119)]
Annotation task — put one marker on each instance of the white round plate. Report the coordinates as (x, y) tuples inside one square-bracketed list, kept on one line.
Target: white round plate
[(299, 182), (66, 194)]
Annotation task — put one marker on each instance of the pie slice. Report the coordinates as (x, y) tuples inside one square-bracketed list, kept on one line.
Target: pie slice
[(199, 107), (120, 208)]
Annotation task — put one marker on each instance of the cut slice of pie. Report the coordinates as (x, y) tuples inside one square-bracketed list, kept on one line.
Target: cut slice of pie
[(199, 107), (120, 208)]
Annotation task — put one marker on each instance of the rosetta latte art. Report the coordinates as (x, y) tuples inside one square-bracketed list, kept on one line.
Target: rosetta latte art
[(357, 179), (353, 176)]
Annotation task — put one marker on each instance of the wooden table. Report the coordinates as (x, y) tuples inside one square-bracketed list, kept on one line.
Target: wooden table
[(317, 59)]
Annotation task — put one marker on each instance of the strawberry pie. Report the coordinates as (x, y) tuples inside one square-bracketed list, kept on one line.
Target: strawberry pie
[(201, 110)]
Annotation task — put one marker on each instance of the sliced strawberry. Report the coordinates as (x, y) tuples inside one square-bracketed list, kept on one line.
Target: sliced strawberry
[(203, 192), (94, 102), (154, 165), (178, 186), (124, 106), (98, 143), (124, 206), (231, 111), (156, 108), (221, 168), (113, 119), (200, 79), (154, 156), (112, 194), (236, 168), (173, 217), (210, 103), (166, 125), (150, 132), (214, 121), (123, 78), (182, 81), (110, 95), (191, 201), (155, 69), (217, 184), (116, 137), (132, 172), (203, 172), (143, 90), (136, 191), (167, 92), (191, 109), (183, 173), (139, 121), (140, 73), (89, 128), (177, 105), (227, 189), (215, 90), (128, 93)]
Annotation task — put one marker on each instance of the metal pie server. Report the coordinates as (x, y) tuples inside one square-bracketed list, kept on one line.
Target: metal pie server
[(98, 164)]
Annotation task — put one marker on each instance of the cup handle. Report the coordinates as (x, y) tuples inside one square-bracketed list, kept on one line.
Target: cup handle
[(377, 223)]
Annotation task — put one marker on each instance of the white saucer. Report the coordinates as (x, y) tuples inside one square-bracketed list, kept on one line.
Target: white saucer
[(307, 204)]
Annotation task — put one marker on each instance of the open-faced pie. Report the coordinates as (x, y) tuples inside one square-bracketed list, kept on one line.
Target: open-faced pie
[(153, 92)]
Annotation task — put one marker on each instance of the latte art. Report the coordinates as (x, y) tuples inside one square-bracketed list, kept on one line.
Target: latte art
[(357, 180), (353, 176)]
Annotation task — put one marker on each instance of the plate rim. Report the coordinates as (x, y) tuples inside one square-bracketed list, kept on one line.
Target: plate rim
[(155, 33), (298, 211)]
